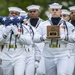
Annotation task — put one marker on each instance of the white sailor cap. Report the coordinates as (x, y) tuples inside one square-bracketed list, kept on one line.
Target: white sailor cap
[(14, 9), (32, 7), (55, 5), (23, 13), (72, 8), (64, 11)]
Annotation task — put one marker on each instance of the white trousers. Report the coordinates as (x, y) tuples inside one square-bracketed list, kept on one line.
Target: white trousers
[(41, 68), (15, 67), (56, 65), (71, 65), (74, 66), (1, 70), (29, 67)]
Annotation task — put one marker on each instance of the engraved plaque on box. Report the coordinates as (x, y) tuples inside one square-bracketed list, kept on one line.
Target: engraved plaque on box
[(53, 31)]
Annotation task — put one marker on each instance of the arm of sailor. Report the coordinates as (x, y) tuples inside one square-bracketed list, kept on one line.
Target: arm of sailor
[(68, 33), (71, 28), (25, 39), (4, 31), (2, 39), (36, 38), (71, 33), (72, 37), (39, 35)]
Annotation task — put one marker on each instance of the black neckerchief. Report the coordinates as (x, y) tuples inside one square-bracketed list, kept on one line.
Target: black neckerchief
[(55, 21), (73, 22), (34, 21)]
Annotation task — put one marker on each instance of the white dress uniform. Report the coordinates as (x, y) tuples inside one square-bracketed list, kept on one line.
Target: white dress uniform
[(38, 50), (29, 67), (34, 22), (72, 8), (70, 45), (71, 69), (14, 54), (56, 58), (72, 61)]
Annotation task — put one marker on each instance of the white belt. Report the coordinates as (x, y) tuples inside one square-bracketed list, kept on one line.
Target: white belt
[(56, 45), (13, 46)]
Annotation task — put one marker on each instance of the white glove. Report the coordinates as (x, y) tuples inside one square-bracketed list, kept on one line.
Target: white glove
[(14, 29), (62, 37), (62, 33), (43, 38), (36, 64), (6, 30)]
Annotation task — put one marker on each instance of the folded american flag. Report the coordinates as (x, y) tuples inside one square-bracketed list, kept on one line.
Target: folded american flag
[(12, 20)]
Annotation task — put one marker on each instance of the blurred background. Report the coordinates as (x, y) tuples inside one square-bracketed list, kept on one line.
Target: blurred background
[(4, 4)]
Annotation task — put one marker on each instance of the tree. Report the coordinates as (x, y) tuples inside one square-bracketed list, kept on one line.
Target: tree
[(4, 4)]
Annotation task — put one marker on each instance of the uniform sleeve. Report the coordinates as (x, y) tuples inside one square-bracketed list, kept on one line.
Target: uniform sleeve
[(72, 37), (71, 33), (38, 34), (2, 39), (70, 28), (25, 39)]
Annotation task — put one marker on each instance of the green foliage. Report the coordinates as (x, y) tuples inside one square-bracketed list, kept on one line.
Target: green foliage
[(4, 4)]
